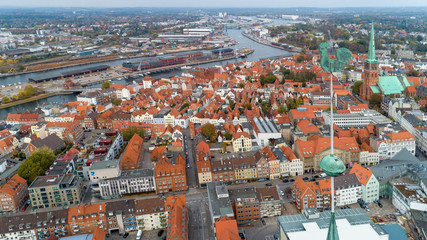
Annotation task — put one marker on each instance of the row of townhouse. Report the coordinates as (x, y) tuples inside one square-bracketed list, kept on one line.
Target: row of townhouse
[(360, 183), (270, 163), (123, 215)]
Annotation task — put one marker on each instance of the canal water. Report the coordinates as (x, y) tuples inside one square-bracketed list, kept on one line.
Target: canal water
[(261, 51)]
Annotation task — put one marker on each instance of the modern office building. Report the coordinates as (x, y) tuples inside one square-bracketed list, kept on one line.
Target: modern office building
[(129, 182)]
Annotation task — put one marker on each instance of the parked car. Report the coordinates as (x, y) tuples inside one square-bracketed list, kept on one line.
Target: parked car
[(125, 235), (285, 180), (242, 236), (160, 233), (263, 222), (268, 184), (380, 205), (305, 178), (23, 209), (292, 180)]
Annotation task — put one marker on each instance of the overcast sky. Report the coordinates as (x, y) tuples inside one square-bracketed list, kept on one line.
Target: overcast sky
[(213, 3)]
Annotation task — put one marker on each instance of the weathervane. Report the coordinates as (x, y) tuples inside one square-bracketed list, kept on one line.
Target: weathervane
[(332, 165)]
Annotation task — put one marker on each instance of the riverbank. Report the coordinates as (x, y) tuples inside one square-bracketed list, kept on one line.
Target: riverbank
[(263, 42), (92, 81), (100, 60), (32, 99)]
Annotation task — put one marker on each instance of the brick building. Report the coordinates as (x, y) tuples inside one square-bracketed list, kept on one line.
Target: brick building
[(133, 154), (13, 194), (170, 174), (86, 218), (177, 218), (245, 205)]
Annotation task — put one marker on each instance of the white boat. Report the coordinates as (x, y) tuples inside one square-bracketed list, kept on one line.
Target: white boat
[(185, 67)]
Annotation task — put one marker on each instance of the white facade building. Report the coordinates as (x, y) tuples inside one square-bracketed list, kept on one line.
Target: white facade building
[(406, 198), (347, 189), (387, 145), (264, 130)]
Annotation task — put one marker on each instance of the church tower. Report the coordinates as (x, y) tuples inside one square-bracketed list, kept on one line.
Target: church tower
[(370, 72)]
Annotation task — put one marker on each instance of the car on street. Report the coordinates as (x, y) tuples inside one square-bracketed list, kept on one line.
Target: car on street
[(242, 236), (292, 180), (268, 184), (125, 235), (380, 205), (285, 180), (305, 178), (275, 237), (282, 193), (160, 233), (23, 209), (263, 222)]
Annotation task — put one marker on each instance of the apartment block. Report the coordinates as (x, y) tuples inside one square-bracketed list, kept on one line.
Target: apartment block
[(269, 201), (170, 174), (13, 194), (245, 205), (121, 216), (86, 218), (387, 145), (242, 142), (151, 213), (129, 182), (370, 184), (55, 191)]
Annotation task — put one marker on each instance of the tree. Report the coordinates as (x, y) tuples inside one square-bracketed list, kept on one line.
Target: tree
[(281, 109), (241, 85), (37, 164), (5, 100), (209, 131), (116, 101), (106, 84), (248, 106), (413, 73), (130, 131), (224, 147), (228, 136), (232, 104), (356, 87), (375, 100), (185, 105)]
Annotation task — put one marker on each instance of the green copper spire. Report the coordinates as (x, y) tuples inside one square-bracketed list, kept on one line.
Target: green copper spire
[(332, 230), (371, 50)]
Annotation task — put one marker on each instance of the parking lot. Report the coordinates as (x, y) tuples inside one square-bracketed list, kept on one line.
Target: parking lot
[(259, 231)]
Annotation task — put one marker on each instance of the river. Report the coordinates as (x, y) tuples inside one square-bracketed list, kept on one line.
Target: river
[(261, 51)]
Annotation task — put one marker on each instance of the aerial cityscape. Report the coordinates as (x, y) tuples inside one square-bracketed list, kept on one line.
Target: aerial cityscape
[(213, 120)]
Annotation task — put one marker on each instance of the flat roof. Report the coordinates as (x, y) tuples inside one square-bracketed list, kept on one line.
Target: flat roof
[(294, 223), (51, 180), (219, 207), (265, 125), (104, 164)]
